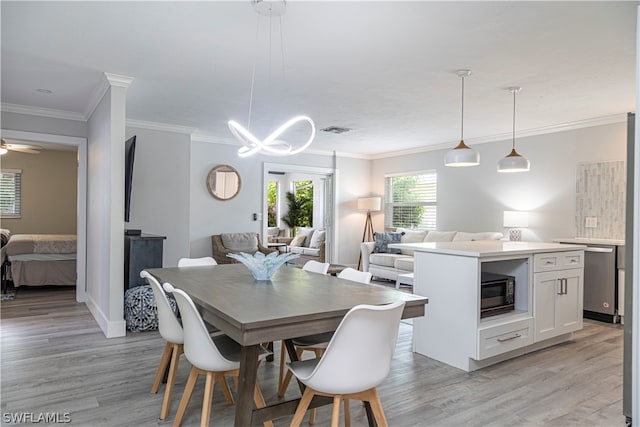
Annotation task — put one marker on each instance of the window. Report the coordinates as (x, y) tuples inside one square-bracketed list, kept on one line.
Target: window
[(272, 204), (410, 200), (10, 193), (303, 191)]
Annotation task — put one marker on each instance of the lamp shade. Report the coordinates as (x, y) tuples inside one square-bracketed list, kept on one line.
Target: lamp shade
[(513, 162), (371, 204), (462, 156), (516, 219)]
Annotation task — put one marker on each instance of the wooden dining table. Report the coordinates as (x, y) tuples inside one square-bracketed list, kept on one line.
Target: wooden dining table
[(293, 303)]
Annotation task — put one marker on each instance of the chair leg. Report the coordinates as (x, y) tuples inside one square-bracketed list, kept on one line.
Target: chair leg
[(283, 366), (164, 361), (176, 351), (335, 415), (260, 403), (302, 407), (186, 396), (347, 413), (206, 400), (226, 391), (312, 413), (376, 408), (287, 378)]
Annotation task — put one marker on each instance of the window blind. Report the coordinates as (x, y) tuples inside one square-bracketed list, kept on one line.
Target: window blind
[(411, 200), (10, 193)]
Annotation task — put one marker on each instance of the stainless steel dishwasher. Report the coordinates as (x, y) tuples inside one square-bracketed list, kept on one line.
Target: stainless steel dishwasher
[(600, 283)]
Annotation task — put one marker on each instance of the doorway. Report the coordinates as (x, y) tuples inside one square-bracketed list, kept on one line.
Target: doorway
[(313, 187), (81, 204)]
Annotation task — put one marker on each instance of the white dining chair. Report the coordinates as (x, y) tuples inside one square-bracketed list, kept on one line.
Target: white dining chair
[(316, 343), (171, 330), (316, 267), (356, 361), (194, 262), (355, 275), (213, 356)]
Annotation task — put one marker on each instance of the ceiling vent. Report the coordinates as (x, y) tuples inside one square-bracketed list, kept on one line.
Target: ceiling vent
[(336, 129)]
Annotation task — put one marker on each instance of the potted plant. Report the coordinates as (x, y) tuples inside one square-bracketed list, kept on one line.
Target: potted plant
[(297, 213)]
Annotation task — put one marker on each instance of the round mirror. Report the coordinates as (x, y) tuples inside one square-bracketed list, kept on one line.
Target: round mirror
[(223, 182)]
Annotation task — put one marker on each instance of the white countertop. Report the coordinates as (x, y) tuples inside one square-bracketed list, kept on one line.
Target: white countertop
[(590, 241), (486, 248)]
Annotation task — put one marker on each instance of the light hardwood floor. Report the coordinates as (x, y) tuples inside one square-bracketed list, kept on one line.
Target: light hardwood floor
[(56, 359)]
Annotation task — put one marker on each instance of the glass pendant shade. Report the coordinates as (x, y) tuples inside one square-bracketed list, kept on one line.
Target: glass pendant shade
[(513, 162), (462, 156)]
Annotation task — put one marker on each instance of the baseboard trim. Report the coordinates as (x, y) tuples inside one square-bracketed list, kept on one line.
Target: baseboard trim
[(110, 328)]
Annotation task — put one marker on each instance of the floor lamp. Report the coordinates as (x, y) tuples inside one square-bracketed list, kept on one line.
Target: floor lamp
[(369, 204)]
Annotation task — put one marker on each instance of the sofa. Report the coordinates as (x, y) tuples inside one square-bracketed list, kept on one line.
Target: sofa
[(309, 243), (388, 264), (227, 243)]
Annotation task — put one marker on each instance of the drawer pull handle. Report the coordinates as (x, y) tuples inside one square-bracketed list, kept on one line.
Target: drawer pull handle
[(549, 262), (510, 338)]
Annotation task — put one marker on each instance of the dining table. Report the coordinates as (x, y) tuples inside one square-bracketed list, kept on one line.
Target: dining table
[(293, 303)]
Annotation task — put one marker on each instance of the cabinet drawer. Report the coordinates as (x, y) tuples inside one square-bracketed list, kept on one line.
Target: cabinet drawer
[(558, 261), (502, 338)]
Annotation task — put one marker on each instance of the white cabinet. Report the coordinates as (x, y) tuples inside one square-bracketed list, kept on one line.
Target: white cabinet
[(558, 294)]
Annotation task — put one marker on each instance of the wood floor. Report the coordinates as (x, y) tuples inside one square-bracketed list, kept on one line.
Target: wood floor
[(56, 359)]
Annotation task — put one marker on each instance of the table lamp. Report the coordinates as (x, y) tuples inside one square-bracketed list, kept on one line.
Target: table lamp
[(515, 220)]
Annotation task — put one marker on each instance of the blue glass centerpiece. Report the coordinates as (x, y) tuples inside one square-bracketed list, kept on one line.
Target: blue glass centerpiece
[(263, 266)]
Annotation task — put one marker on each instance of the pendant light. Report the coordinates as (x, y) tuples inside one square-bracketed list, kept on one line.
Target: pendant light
[(273, 144), (513, 162), (462, 155)]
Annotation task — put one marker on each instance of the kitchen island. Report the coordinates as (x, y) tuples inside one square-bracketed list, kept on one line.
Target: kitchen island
[(547, 303)]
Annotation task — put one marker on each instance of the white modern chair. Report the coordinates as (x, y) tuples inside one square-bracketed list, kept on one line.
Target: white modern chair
[(316, 267), (193, 262), (215, 357), (355, 275), (317, 343), (171, 330), (356, 361)]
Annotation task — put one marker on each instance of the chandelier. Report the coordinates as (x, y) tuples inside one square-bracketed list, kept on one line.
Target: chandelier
[(273, 144)]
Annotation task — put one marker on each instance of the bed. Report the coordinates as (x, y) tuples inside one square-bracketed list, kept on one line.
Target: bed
[(40, 259)]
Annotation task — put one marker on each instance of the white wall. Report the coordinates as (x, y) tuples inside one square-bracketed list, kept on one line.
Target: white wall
[(105, 207), (210, 216), (160, 193), (47, 125), (473, 199)]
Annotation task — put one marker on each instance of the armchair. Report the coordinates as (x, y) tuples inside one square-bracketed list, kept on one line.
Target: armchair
[(226, 243)]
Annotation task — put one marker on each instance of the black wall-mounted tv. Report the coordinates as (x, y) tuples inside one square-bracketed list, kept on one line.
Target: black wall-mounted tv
[(129, 156)]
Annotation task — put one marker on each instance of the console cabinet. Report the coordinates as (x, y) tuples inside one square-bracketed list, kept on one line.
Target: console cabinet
[(140, 252)]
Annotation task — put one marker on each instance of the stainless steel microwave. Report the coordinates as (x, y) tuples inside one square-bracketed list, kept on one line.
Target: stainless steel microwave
[(497, 294)]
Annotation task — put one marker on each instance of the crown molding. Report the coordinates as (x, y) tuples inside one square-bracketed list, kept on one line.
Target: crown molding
[(44, 112), (561, 127), (119, 80), (160, 126)]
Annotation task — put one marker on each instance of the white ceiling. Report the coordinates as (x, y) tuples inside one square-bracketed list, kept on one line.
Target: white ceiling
[(384, 69)]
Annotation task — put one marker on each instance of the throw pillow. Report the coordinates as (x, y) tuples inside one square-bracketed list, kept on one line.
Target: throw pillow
[(383, 240), (440, 236), (317, 239), (411, 236), (297, 241), (240, 242), (307, 232)]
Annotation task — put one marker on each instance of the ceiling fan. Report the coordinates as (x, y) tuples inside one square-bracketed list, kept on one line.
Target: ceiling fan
[(7, 144)]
